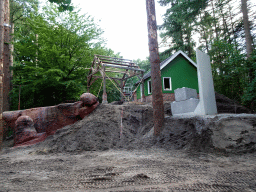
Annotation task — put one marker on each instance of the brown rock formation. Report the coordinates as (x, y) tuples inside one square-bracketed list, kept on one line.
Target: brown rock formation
[(25, 132), (47, 120)]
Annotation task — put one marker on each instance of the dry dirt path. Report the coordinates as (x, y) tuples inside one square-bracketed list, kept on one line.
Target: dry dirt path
[(120, 170)]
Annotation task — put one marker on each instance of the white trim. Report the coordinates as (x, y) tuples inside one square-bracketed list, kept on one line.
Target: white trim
[(148, 87), (140, 90), (174, 56), (170, 82)]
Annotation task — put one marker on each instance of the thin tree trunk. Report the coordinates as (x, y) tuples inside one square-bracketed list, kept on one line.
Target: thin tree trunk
[(204, 35), (215, 25), (225, 27), (6, 80), (232, 26), (11, 54), (1, 66), (189, 41), (157, 95), (248, 36)]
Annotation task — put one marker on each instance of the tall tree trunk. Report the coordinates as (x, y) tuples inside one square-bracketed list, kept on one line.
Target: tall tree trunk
[(11, 54), (225, 27), (215, 23), (204, 34), (248, 36), (189, 41), (6, 80), (157, 94), (1, 66)]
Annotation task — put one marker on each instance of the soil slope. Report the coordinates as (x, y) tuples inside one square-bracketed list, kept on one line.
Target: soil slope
[(130, 126), (114, 149)]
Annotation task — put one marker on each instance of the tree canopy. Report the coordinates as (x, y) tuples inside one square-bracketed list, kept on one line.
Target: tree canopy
[(63, 5), (221, 29), (53, 51)]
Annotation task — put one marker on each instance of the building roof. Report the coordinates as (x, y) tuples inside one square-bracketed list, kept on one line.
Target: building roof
[(168, 60)]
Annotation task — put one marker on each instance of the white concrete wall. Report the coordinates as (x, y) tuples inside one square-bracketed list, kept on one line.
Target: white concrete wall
[(207, 103)]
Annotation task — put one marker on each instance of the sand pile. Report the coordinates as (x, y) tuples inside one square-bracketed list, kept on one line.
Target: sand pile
[(102, 130)]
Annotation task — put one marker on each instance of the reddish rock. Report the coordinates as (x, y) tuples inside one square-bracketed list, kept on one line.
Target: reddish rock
[(24, 121), (25, 132), (84, 111), (88, 99), (46, 120), (33, 140)]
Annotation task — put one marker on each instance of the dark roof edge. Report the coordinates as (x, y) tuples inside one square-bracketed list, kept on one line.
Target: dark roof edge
[(167, 61)]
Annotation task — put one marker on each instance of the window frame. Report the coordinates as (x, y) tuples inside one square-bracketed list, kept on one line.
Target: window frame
[(149, 86), (170, 82)]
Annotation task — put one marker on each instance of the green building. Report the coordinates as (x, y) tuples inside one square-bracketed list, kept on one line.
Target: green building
[(177, 71)]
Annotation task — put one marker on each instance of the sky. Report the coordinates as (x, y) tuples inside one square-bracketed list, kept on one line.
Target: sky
[(124, 23)]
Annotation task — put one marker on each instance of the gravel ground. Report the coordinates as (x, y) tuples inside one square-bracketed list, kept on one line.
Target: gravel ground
[(95, 154), (154, 169)]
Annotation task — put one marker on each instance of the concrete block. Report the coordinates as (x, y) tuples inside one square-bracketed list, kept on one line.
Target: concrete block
[(184, 93), (186, 106)]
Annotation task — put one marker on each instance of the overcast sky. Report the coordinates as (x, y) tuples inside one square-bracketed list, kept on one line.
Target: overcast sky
[(124, 23)]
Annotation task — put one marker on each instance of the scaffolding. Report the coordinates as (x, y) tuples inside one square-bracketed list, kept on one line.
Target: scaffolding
[(103, 67)]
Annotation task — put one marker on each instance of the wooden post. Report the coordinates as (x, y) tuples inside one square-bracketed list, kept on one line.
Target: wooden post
[(143, 98), (6, 58), (1, 66), (122, 90), (157, 94), (104, 96)]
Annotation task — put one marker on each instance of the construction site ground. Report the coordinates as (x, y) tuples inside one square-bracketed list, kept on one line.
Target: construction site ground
[(114, 149)]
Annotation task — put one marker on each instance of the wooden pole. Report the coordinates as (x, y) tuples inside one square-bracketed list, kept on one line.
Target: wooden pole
[(157, 94), (143, 98), (104, 96), (122, 90), (1, 66)]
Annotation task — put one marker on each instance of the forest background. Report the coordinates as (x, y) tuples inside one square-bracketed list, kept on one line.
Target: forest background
[(53, 48)]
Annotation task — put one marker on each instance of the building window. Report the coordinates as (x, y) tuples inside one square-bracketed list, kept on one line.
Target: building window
[(149, 87), (167, 83)]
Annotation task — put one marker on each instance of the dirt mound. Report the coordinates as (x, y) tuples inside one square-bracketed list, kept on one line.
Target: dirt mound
[(131, 127), (226, 105), (224, 133), (101, 130)]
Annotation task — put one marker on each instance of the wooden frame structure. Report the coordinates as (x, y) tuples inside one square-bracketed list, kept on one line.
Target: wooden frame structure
[(103, 65)]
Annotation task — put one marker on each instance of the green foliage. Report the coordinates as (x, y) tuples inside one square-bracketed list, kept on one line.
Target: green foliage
[(221, 34), (63, 5), (179, 22), (249, 96), (52, 52), (143, 64), (20, 9), (228, 73)]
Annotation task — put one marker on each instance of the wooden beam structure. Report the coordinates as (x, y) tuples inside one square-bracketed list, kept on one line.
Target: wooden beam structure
[(121, 67), (116, 69)]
